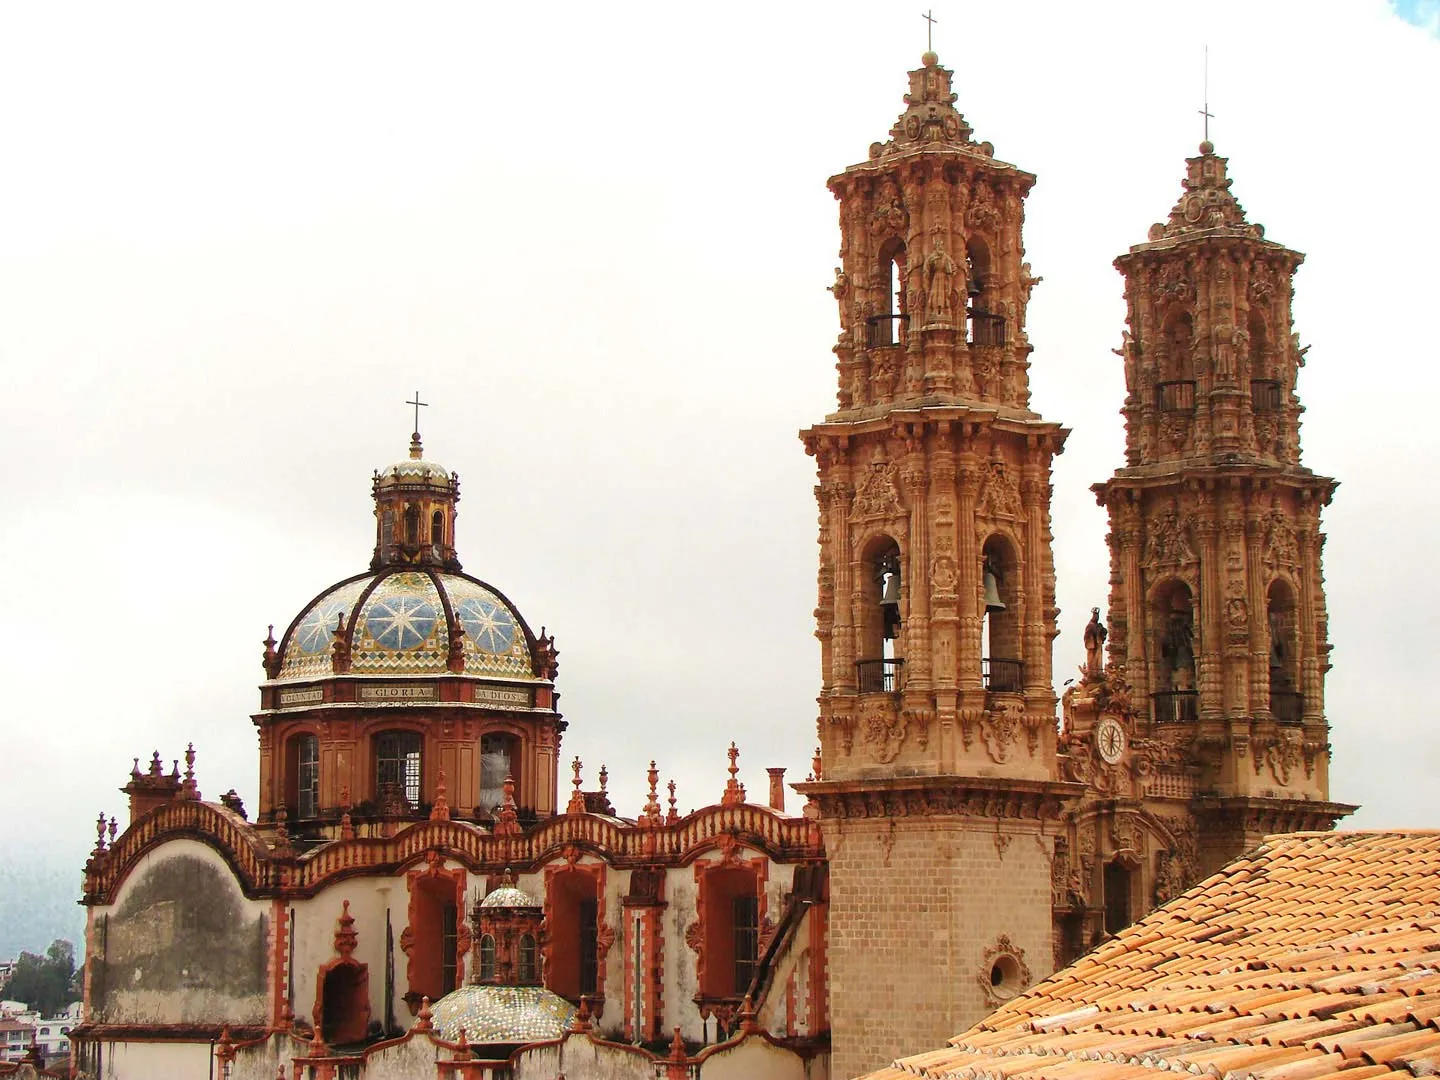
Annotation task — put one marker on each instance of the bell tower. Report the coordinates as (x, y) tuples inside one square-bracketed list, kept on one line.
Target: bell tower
[(936, 593), (1217, 605)]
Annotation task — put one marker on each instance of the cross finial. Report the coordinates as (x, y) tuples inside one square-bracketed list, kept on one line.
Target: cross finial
[(930, 21), (418, 406), (1205, 108)]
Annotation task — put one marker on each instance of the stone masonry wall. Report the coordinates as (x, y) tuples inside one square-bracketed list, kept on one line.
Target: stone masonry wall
[(922, 908)]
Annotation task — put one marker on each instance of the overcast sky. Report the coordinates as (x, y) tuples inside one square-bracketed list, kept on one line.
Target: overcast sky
[(597, 237)]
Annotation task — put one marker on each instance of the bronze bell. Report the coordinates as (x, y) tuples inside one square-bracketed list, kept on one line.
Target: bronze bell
[(992, 591)]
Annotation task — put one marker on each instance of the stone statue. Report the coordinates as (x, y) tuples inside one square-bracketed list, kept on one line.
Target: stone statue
[(940, 269), (1095, 635)]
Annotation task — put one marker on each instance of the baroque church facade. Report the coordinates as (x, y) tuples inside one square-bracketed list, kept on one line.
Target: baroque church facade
[(415, 895)]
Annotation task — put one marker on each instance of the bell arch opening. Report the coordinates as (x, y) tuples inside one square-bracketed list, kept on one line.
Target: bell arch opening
[(1175, 390), (1286, 703), (1000, 643), (1172, 611), (886, 324), (878, 663)]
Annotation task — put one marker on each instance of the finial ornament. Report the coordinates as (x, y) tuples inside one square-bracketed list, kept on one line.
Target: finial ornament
[(415, 436), (734, 791), (577, 797), (1207, 146)]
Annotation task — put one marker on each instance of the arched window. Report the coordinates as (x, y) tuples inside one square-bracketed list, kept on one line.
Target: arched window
[(529, 970), (878, 664), (1000, 643), (986, 323), (1286, 704), (437, 529), (1173, 633), (412, 527), (487, 958), (499, 758), (397, 766)]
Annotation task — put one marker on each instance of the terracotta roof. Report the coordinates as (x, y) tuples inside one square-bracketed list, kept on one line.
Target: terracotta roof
[(1317, 954)]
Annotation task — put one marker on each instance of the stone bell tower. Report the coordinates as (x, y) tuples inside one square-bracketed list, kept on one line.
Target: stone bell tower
[(936, 594), (1217, 605)]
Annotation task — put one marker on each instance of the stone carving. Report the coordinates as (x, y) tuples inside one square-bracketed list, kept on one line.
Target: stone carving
[(943, 575), (1281, 550), (1168, 542), (1003, 972), (879, 495), (1282, 754), (1000, 730), (888, 215), (883, 731), (999, 494)]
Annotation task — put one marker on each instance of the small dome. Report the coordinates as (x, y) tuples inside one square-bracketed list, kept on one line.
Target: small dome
[(508, 896), (501, 1014), (414, 470), (399, 622)]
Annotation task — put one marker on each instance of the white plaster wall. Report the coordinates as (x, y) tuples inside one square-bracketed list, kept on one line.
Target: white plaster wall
[(127, 998), (577, 1058), (753, 1059), (411, 1059), (262, 1061), (611, 1022), (156, 1061), (316, 920)]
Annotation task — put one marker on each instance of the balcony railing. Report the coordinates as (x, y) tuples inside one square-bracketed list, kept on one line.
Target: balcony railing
[(1003, 676), (986, 327), (1265, 395), (884, 330), (1287, 706), (1175, 397), (878, 676), (1176, 706)]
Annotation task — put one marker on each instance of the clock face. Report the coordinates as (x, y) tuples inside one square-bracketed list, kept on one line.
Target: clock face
[(1110, 740)]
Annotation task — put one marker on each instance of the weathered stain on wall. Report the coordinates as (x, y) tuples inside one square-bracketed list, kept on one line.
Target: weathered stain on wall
[(182, 947)]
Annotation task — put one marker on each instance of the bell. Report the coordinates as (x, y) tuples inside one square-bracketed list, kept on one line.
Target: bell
[(992, 592), (890, 592)]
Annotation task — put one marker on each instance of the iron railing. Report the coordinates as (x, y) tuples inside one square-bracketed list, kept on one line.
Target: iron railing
[(883, 330), (878, 676), (1287, 706), (1265, 395), (1177, 396), (986, 327), (1176, 706), (1003, 676)]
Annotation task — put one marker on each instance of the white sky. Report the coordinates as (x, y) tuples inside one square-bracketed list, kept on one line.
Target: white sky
[(234, 239)]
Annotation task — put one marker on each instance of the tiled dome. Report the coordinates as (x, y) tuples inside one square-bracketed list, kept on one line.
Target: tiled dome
[(501, 1014), (396, 623), (508, 896)]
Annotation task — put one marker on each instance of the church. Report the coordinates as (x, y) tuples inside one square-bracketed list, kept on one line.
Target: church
[(417, 893)]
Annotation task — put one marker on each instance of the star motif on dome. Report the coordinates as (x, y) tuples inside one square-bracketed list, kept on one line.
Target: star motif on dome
[(400, 622), (313, 635), (487, 624)]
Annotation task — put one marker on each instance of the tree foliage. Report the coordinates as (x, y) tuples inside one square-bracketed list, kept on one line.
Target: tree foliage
[(46, 983)]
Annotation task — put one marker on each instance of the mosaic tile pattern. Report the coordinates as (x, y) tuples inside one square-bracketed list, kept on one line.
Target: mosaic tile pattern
[(508, 896), (494, 642), (308, 654), (502, 1014), (402, 630), (1317, 955)]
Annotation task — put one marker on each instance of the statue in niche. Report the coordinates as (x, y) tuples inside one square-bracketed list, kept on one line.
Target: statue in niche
[(1177, 650), (1095, 635), (940, 270)]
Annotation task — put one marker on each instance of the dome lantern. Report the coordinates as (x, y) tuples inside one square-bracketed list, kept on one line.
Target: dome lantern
[(415, 504)]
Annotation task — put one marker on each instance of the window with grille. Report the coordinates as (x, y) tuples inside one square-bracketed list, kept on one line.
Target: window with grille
[(529, 968), (487, 958), (307, 776), (397, 764), (589, 934), (448, 944), (747, 940)]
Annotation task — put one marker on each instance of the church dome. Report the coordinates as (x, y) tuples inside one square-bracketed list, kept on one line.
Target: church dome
[(501, 1014), (508, 896), (401, 621)]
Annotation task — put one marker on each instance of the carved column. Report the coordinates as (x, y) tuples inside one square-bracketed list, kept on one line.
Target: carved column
[(1210, 659)]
